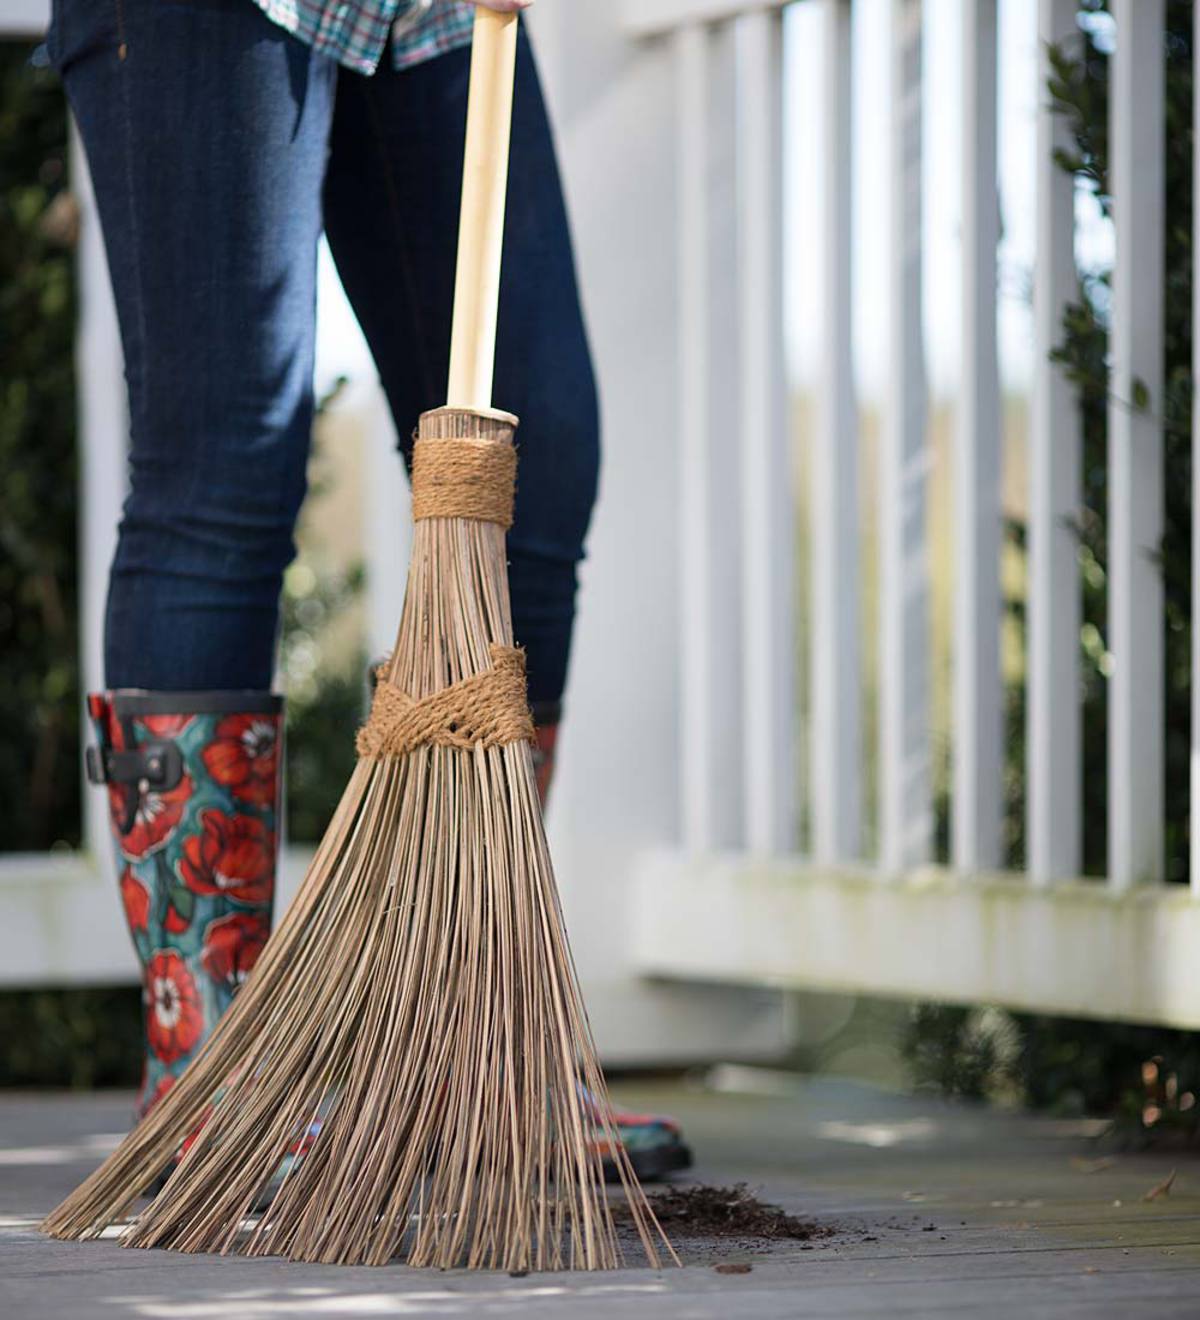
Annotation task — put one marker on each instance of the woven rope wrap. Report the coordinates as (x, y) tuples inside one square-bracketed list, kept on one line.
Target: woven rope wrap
[(485, 710), (464, 479)]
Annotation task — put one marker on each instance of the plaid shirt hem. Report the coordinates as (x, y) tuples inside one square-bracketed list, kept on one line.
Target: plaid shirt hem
[(355, 32)]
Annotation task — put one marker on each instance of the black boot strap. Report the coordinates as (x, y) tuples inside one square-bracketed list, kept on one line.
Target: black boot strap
[(156, 764)]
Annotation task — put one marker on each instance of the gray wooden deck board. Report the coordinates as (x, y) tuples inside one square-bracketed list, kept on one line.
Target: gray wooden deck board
[(952, 1212)]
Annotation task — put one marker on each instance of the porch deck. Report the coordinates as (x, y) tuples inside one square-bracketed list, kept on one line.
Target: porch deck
[(936, 1209)]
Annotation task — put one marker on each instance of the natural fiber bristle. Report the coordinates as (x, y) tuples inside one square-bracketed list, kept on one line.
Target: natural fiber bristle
[(418, 996)]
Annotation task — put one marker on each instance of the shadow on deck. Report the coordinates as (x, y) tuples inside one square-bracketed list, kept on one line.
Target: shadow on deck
[(935, 1209)]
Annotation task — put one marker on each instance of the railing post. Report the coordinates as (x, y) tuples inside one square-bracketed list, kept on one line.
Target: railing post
[(697, 691), (387, 522), (905, 813), (836, 674), (768, 545), (978, 699), (1135, 478), (102, 446), (1054, 786)]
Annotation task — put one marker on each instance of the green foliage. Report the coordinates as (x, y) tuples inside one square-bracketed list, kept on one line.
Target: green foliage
[(1146, 1076), (1147, 1079), (77, 1038), (951, 1051), (1078, 88), (39, 683)]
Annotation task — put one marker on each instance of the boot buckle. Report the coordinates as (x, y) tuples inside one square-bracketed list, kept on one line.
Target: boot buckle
[(154, 765)]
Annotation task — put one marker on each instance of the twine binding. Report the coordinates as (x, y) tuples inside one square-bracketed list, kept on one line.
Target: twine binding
[(486, 710), (464, 479)]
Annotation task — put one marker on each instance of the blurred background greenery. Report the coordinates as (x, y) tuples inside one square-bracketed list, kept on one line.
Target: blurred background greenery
[(39, 692), (1144, 1077)]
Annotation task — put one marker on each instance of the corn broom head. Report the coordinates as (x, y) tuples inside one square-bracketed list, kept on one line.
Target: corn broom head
[(419, 995)]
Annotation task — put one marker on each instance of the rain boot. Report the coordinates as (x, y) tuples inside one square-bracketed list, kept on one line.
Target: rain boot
[(193, 784)]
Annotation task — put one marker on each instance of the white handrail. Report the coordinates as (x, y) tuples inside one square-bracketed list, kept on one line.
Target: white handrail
[(653, 17)]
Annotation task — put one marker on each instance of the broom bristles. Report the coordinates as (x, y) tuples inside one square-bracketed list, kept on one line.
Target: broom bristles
[(418, 998)]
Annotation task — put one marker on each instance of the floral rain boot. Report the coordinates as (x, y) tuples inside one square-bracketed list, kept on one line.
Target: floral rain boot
[(193, 785)]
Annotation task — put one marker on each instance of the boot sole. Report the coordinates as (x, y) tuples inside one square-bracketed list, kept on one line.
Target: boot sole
[(652, 1165)]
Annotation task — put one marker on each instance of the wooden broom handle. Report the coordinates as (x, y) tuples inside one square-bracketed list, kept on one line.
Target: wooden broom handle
[(481, 221)]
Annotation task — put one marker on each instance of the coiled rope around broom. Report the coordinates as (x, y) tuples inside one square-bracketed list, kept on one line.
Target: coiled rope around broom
[(457, 479)]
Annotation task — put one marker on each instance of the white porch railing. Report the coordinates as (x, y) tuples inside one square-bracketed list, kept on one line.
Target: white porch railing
[(676, 818), (747, 908)]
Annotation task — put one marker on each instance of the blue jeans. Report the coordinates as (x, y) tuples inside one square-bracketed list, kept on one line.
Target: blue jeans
[(220, 147)]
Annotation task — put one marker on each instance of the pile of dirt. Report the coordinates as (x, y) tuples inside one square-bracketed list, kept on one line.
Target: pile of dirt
[(728, 1212)]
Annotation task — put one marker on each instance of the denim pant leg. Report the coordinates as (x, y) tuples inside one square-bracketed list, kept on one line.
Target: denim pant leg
[(391, 214), (206, 130)]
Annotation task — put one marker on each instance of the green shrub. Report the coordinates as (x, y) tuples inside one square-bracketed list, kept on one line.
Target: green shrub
[(39, 679)]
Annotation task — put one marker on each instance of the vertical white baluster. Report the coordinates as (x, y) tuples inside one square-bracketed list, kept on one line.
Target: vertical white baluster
[(978, 695), (1055, 752), (724, 431), (836, 725), (102, 448), (697, 772), (387, 517), (768, 545), (1195, 758), (1135, 519), (905, 812)]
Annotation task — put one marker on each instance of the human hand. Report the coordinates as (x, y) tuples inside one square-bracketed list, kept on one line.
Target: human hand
[(505, 6)]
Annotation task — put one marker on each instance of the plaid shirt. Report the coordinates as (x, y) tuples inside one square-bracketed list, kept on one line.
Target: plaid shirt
[(355, 32)]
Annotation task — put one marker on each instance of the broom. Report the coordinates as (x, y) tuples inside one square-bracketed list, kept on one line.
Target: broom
[(417, 1008)]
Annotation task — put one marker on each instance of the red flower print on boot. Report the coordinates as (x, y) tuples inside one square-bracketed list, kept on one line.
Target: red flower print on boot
[(244, 757), (232, 945), (174, 1014), (233, 856), (135, 898), (158, 813), (175, 923)]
